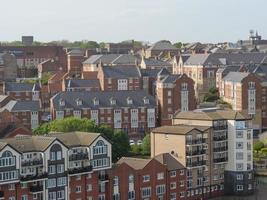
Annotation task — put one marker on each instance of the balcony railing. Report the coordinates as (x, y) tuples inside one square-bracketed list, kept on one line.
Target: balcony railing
[(195, 153), (32, 162), (219, 149), (196, 163), (33, 177), (195, 141), (78, 156), (219, 160), (36, 188), (220, 138), (80, 170)]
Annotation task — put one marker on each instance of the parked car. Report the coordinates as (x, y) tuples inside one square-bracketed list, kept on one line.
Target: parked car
[(131, 142), (139, 142)]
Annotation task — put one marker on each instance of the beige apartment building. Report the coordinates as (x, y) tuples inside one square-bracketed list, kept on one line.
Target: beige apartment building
[(215, 146)]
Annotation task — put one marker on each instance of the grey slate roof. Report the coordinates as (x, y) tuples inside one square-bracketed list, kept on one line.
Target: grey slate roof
[(150, 72), (16, 87), (74, 83), (103, 97), (162, 45), (235, 76), (26, 106), (226, 58), (109, 59), (156, 62), (121, 71)]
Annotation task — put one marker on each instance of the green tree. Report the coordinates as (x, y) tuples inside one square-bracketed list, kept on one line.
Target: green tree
[(146, 145), (118, 139), (178, 45), (258, 146), (136, 150), (45, 77)]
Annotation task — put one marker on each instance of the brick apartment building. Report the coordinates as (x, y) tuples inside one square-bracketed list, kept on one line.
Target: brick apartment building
[(28, 112), (202, 68), (75, 59), (161, 177), (243, 91), (8, 67), (28, 57), (120, 48), (216, 148), (57, 166), (134, 112), (50, 66), (22, 91), (153, 63), (120, 78), (174, 93)]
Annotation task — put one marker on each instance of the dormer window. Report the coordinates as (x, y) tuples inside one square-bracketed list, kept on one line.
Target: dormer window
[(251, 85), (79, 102), (112, 101), (184, 86), (96, 101), (61, 102), (146, 100), (129, 101)]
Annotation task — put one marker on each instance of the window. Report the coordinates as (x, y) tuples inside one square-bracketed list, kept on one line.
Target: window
[(61, 181), (101, 197), (239, 134), (239, 155), (239, 177), (173, 196), (61, 194), (60, 168), (131, 178), (169, 93), (11, 198), (24, 197), (181, 183), (146, 192), (7, 159), (89, 187), (51, 169), (160, 189), (78, 189), (59, 155), (239, 166), (146, 178), (181, 172), (182, 194), (239, 187), (102, 162), (52, 196), (11, 186), (239, 145), (52, 155), (100, 148), (116, 181), (51, 183), (173, 174), (173, 185), (160, 176), (131, 195)]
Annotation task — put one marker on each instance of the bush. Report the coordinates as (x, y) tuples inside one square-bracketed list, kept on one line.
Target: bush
[(258, 146)]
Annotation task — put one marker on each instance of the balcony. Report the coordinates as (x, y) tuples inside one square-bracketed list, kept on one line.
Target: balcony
[(80, 170), (78, 156), (36, 189), (218, 128), (220, 138), (104, 177), (220, 160), (196, 153), (196, 163), (33, 177), (32, 162), (195, 142), (220, 149)]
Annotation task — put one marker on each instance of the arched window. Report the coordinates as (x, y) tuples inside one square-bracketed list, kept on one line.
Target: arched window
[(131, 178), (100, 148), (7, 159)]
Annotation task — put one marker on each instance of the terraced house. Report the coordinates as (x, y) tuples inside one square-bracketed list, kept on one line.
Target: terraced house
[(134, 112), (57, 166)]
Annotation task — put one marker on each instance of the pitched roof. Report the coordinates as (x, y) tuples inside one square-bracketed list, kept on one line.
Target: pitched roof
[(212, 114), (156, 62), (26, 106), (13, 86), (135, 163), (179, 129), (170, 161), (171, 78), (72, 139), (116, 59), (70, 83), (150, 72), (121, 71), (162, 46), (103, 97), (226, 58), (235, 76)]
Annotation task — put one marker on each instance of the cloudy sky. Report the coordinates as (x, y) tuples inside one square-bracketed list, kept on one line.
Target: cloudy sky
[(146, 20)]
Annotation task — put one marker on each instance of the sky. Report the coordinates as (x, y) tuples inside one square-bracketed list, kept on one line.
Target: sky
[(144, 20)]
